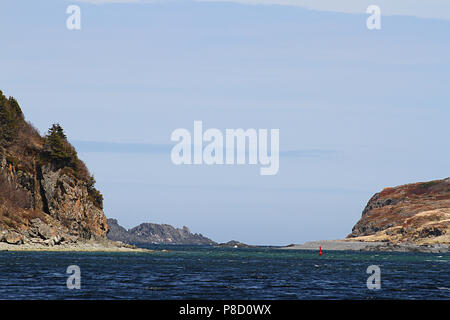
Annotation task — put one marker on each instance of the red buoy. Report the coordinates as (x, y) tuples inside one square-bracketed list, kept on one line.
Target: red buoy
[(320, 251)]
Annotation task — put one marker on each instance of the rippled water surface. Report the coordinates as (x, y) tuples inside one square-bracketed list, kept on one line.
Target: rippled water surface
[(222, 273)]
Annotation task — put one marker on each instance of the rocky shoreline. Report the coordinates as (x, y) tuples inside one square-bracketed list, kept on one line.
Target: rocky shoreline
[(343, 245), (326, 245), (80, 246)]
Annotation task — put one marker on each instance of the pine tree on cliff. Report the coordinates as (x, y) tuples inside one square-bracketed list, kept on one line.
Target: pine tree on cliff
[(58, 150), (11, 119), (61, 154)]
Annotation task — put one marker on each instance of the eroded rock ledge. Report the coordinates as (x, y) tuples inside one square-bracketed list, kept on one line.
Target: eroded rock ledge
[(59, 209)]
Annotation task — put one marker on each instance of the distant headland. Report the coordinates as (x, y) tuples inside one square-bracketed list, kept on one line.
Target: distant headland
[(411, 217), (152, 233)]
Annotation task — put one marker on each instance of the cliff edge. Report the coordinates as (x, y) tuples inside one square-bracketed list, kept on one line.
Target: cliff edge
[(416, 213), (47, 195)]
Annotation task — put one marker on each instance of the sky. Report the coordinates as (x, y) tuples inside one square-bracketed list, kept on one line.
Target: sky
[(358, 110)]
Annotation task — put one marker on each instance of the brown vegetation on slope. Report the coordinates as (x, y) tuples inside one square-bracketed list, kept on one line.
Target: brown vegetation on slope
[(46, 191), (418, 213)]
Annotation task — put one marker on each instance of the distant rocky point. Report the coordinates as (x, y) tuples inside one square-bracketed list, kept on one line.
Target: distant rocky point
[(235, 244), (152, 233)]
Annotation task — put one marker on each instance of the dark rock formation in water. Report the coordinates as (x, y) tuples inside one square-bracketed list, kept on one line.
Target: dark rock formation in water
[(155, 234), (415, 213), (235, 244)]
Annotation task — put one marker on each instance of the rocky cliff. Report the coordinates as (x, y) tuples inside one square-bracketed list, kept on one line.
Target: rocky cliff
[(415, 213), (47, 195), (155, 234)]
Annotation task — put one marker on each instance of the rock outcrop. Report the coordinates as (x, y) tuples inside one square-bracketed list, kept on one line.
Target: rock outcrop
[(47, 195), (152, 233), (67, 200), (413, 213), (235, 244)]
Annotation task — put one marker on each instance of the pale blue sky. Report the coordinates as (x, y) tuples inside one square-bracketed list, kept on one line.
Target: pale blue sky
[(357, 110)]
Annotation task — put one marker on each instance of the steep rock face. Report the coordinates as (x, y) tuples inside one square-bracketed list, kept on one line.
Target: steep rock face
[(418, 212), (46, 193), (48, 200), (67, 200), (155, 233)]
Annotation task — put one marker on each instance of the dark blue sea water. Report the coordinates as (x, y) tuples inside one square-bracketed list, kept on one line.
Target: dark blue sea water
[(193, 272)]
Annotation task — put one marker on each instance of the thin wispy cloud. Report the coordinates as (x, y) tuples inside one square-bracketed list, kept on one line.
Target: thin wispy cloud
[(430, 9), (144, 148), (309, 153), (114, 147), (433, 9)]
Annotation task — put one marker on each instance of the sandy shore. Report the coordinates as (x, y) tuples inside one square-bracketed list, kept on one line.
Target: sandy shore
[(88, 246), (340, 245)]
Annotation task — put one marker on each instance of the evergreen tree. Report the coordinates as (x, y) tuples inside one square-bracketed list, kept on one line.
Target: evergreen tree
[(11, 119), (58, 150)]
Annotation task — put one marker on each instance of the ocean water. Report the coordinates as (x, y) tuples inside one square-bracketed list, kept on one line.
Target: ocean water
[(202, 272)]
